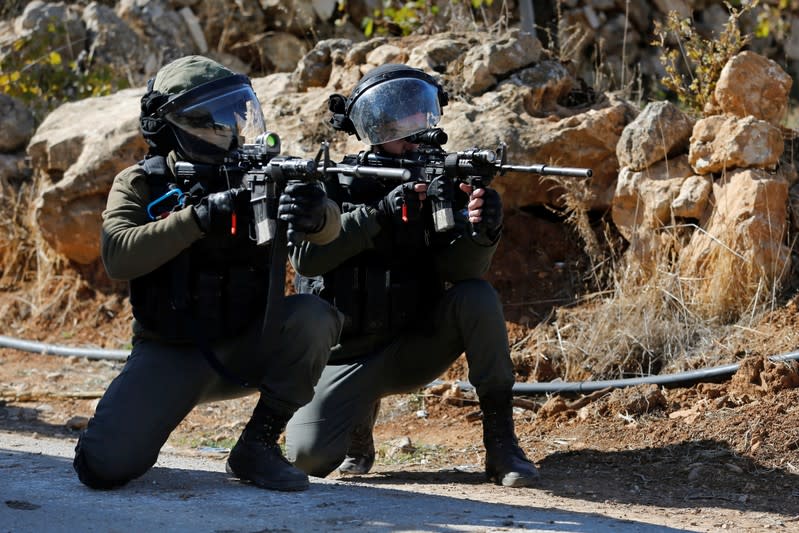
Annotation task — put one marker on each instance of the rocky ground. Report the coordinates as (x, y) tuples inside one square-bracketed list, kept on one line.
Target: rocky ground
[(712, 456)]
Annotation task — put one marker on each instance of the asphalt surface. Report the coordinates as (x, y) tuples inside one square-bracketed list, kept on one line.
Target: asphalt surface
[(39, 492)]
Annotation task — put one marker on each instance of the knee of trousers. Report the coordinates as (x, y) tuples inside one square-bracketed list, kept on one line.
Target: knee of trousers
[(318, 463), (102, 466), (313, 454), (476, 295), (313, 321)]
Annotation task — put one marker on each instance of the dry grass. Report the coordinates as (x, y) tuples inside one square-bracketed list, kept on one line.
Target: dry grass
[(40, 286), (17, 252), (639, 314)]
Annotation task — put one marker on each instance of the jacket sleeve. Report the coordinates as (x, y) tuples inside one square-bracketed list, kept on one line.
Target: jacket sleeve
[(332, 226), (358, 229), (133, 245)]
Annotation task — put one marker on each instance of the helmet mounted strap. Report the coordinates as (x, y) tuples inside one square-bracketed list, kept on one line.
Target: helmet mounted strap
[(153, 127), (340, 121)]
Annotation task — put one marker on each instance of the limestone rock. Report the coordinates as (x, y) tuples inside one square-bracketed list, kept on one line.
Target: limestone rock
[(659, 131), (751, 84), (742, 246), (643, 199), (77, 164), (726, 142)]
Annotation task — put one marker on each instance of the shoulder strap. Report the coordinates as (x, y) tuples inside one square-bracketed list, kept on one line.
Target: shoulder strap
[(165, 194), (155, 166)]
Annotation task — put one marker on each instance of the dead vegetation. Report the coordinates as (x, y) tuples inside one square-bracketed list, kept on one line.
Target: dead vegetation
[(630, 320)]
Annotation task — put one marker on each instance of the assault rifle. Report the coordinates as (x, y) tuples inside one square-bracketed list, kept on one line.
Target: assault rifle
[(263, 173), (443, 170)]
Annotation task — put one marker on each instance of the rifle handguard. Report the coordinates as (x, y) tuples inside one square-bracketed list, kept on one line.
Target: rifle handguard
[(360, 171)]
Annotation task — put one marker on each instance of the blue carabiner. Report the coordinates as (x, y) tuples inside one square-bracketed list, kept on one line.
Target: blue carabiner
[(181, 199)]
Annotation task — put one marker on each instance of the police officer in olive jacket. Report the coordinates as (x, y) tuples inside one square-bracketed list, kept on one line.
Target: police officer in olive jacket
[(413, 298), (198, 288)]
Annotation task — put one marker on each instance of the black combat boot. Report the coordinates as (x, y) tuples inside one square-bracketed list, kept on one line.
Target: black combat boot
[(256, 458), (506, 463), (361, 454)]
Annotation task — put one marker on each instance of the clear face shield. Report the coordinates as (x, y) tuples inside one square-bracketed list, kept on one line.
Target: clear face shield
[(215, 118), (395, 109)]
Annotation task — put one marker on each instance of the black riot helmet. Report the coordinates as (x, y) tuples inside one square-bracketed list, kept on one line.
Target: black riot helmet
[(390, 102), (201, 109)]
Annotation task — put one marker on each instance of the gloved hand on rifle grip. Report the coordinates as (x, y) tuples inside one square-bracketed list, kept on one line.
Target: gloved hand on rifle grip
[(485, 213), (302, 205), (402, 204), (214, 213)]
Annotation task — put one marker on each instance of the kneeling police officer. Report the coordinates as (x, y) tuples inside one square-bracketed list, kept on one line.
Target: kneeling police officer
[(414, 298), (198, 288)]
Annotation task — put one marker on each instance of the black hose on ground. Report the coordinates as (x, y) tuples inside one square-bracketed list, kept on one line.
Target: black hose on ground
[(680, 378), (585, 387), (519, 389)]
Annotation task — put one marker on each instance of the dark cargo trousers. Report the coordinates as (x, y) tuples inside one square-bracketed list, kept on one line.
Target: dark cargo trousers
[(468, 319), (162, 382)]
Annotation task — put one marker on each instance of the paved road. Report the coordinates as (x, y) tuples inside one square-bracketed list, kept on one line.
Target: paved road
[(40, 493)]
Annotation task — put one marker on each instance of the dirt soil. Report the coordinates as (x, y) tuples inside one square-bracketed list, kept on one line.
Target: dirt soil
[(714, 456)]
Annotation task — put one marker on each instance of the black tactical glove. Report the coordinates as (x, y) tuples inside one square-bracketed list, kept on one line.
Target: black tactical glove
[(491, 215), (214, 213), (302, 205), (400, 205)]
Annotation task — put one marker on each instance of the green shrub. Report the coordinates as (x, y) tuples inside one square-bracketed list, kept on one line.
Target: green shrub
[(403, 18), (43, 72), (693, 64)]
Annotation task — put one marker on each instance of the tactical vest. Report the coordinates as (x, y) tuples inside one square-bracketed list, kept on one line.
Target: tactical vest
[(214, 289), (384, 291)]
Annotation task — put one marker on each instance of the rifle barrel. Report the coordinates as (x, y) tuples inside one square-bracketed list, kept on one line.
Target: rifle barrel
[(402, 174), (547, 170)]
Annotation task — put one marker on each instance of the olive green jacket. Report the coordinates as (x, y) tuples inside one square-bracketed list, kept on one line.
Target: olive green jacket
[(463, 258), (132, 245)]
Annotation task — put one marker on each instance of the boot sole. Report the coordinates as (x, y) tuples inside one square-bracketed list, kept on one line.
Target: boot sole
[(354, 471), (285, 486), (356, 467), (512, 479), (515, 480)]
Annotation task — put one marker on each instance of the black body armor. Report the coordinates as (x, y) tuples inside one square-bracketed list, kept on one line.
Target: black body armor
[(214, 289), (386, 290)]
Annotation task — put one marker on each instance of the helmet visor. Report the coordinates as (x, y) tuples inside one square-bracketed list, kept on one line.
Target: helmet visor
[(395, 109), (209, 122)]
